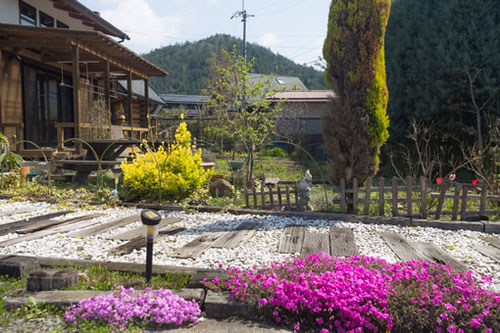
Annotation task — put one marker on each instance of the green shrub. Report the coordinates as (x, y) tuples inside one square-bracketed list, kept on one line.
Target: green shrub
[(8, 159), (275, 152), (181, 171)]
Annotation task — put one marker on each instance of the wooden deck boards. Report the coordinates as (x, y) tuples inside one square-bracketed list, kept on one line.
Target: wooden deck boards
[(439, 256), (140, 241), (7, 228), (233, 239), (315, 242), (489, 251), (401, 247), (342, 242), (196, 247), (105, 226), (292, 239), (139, 231)]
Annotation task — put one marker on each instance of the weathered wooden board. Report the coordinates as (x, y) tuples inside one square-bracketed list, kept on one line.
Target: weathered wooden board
[(232, 239), (342, 242), (45, 224), (139, 231), (489, 251), (61, 228), (401, 247), (292, 239), (7, 228), (315, 242), (495, 242), (105, 226), (140, 241), (196, 247), (14, 212), (439, 256)]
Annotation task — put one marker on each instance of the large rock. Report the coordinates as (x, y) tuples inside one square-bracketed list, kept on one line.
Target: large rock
[(49, 279), (17, 266), (221, 188)]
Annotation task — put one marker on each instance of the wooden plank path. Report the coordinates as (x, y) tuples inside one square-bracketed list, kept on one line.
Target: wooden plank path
[(45, 224), (69, 224), (439, 256), (292, 239), (489, 251), (140, 241), (495, 242), (105, 226), (139, 231), (315, 242), (7, 228), (196, 247), (232, 239), (342, 242), (401, 247)]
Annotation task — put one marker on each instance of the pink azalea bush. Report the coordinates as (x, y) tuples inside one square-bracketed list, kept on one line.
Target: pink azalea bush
[(325, 294), (159, 307)]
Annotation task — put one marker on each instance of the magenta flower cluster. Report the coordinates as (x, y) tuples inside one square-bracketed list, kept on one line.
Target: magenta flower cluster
[(363, 294), (159, 307)]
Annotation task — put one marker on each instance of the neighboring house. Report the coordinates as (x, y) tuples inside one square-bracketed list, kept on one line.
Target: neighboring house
[(189, 104), (56, 57), (302, 113), (278, 82)]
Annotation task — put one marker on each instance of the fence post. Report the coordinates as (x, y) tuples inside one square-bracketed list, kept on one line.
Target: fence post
[(463, 212), (247, 202), (263, 196), (271, 198), (368, 191), (456, 199), (442, 197), (342, 195), (381, 196), (254, 194), (394, 196), (280, 202), (355, 195), (288, 204), (482, 203), (296, 190), (409, 196), (423, 196)]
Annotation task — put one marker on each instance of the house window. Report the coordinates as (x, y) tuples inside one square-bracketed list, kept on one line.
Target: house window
[(46, 20), (27, 14), (62, 25)]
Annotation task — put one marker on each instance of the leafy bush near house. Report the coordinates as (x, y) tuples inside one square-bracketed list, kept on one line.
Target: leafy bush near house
[(180, 169), (322, 293), (8, 159), (274, 152)]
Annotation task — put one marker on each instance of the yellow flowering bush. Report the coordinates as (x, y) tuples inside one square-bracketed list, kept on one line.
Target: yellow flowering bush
[(181, 171)]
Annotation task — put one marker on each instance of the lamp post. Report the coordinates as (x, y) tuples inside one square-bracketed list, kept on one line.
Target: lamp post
[(150, 218)]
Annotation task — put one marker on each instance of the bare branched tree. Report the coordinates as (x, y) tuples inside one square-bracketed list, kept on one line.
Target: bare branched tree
[(291, 123)]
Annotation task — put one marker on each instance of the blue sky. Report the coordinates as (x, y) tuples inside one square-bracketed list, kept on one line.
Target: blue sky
[(293, 28)]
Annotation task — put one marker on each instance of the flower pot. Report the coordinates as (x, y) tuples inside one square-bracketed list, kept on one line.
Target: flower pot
[(235, 165), (25, 170)]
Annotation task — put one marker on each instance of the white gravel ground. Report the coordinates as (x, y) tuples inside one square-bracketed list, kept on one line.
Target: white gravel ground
[(259, 248)]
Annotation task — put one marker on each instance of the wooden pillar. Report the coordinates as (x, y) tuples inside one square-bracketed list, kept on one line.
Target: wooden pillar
[(129, 103), (146, 100), (76, 88), (106, 86)]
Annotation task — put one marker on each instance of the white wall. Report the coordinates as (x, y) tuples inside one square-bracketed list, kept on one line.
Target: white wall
[(9, 11), (48, 8)]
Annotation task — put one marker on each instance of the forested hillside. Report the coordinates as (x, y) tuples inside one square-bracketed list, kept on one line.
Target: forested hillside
[(187, 64)]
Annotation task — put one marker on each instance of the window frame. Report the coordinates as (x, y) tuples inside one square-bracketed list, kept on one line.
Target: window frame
[(40, 13), (27, 19)]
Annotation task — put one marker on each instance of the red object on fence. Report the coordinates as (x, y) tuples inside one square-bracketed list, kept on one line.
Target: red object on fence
[(474, 182), (439, 180), (452, 176)]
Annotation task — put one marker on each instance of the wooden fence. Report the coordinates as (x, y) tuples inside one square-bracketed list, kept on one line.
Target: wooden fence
[(406, 197)]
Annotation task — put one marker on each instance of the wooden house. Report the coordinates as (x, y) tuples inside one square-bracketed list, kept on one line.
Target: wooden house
[(56, 58)]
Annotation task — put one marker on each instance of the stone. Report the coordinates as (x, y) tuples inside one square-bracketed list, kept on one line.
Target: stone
[(221, 188), (49, 279), (59, 298), (219, 306), (18, 266)]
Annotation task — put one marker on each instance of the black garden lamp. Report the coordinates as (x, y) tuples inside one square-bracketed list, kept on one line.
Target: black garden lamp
[(151, 219)]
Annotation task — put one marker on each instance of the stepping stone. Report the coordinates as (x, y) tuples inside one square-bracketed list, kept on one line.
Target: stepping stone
[(196, 247), (495, 242), (140, 241), (233, 238), (438, 255), (7, 228), (139, 231), (14, 212), (315, 242), (18, 266), (49, 279), (105, 226), (401, 247), (342, 242), (489, 251), (292, 239), (70, 224)]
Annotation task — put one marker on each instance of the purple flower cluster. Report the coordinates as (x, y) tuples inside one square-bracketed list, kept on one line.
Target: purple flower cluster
[(358, 294), (161, 307)]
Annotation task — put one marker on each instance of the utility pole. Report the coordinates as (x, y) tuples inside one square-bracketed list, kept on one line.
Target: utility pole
[(244, 16)]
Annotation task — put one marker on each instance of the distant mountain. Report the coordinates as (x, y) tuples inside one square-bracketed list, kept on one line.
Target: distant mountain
[(187, 64)]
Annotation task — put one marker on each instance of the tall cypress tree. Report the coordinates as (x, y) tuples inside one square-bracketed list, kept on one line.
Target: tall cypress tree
[(356, 125)]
